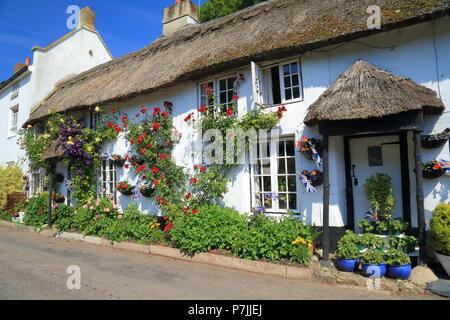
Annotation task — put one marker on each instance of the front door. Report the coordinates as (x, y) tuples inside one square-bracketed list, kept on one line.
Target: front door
[(370, 155)]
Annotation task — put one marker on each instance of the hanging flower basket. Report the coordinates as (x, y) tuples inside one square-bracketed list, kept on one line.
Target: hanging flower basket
[(432, 170), (305, 147), (58, 177), (118, 161), (125, 188), (137, 160), (315, 176), (435, 140), (147, 192), (58, 198)]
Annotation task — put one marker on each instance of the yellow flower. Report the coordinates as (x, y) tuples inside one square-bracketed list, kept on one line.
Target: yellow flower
[(70, 143), (89, 149), (98, 139), (155, 225), (97, 109), (70, 138)]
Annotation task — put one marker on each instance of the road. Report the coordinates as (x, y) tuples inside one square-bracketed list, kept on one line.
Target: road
[(34, 267)]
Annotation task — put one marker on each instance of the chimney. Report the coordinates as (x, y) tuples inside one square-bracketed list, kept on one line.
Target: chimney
[(87, 19), (181, 14), (20, 66)]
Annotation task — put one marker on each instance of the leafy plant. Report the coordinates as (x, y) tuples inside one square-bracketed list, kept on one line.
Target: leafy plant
[(406, 243), (373, 257), (439, 233), (213, 9), (10, 181), (379, 192), (371, 241), (347, 246), (36, 212), (397, 257)]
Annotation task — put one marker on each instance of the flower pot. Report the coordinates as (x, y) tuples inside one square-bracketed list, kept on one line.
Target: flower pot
[(372, 270), (348, 265), (59, 178), (127, 192), (432, 174), (402, 271), (445, 262), (317, 180), (147, 192), (60, 200), (430, 142), (119, 163)]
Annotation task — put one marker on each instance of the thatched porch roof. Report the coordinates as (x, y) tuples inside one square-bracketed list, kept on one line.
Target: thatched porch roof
[(365, 91), (54, 151), (269, 30)]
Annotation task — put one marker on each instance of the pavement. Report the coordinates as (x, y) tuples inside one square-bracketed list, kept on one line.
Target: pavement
[(35, 267)]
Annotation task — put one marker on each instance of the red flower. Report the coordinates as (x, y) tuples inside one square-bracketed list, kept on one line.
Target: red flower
[(109, 124), (113, 111), (138, 114), (437, 166), (157, 110), (148, 145), (126, 166), (155, 169), (241, 77), (185, 211), (235, 97), (202, 169), (188, 117), (163, 156), (230, 111), (194, 180), (196, 167), (142, 151), (124, 118), (41, 207), (209, 90), (156, 182), (132, 141), (165, 218), (162, 176), (156, 126), (141, 168), (165, 114), (194, 211), (188, 196)]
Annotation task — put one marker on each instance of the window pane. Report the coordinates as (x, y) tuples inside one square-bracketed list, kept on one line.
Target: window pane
[(295, 80), (296, 92), (290, 149), (287, 82), (288, 94), (294, 68), (292, 180), (265, 166), (282, 201), (282, 183), (223, 98), (291, 165), (223, 85), (293, 201), (281, 148), (258, 167), (257, 184), (286, 71), (230, 83), (268, 200), (267, 184), (230, 96), (281, 166)]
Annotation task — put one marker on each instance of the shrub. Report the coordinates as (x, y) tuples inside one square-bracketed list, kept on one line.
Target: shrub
[(379, 192), (373, 257), (36, 212), (64, 217), (347, 246), (273, 240), (10, 181), (396, 257), (94, 216), (213, 227), (439, 233)]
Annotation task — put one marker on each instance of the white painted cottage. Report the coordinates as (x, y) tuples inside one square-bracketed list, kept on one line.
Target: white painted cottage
[(77, 51), (291, 52)]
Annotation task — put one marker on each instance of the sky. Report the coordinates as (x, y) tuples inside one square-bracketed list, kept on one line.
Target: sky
[(125, 25)]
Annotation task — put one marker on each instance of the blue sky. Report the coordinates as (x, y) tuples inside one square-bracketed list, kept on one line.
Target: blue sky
[(125, 25)]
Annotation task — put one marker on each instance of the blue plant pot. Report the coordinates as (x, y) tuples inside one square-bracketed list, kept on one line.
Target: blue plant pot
[(348, 265), (402, 271), (374, 270)]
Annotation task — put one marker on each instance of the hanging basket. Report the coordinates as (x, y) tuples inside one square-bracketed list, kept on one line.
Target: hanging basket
[(435, 141), (119, 163), (433, 174), (147, 192), (59, 178), (317, 180), (308, 154), (60, 200), (127, 192)]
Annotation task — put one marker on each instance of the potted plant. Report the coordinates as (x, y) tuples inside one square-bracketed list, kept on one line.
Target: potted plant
[(305, 147), (58, 177), (118, 160), (439, 234), (135, 160), (399, 264), (369, 241), (373, 263), (435, 140), (432, 169), (147, 191), (406, 244), (347, 252), (58, 197), (125, 188), (316, 177)]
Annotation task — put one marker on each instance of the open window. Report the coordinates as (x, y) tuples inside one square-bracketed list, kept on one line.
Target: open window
[(277, 84)]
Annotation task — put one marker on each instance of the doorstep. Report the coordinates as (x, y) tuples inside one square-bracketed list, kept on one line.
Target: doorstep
[(300, 273)]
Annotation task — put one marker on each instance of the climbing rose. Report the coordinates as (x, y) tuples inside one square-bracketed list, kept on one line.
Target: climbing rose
[(155, 169), (155, 126), (230, 111), (163, 156)]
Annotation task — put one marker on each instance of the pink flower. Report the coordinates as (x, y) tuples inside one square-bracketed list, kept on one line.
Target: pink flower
[(97, 217)]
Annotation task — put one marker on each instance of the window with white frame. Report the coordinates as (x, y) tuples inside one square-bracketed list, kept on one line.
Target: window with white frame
[(37, 182), (226, 90), (107, 180), (223, 88), (274, 176), (13, 119), (204, 99), (277, 84)]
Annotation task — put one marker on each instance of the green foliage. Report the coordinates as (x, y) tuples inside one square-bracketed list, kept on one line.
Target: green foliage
[(396, 257), (347, 246), (379, 192), (371, 241), (439, 233), (36, 212), (406, 244), (384, 227), (10, 181), (373, 257), (64, 217), (213, 9), (213, 227), (273, 240)]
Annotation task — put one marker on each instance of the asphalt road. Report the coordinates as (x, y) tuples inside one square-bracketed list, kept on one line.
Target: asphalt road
[(34, 267)]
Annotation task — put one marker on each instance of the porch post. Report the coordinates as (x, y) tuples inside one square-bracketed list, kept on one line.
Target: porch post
[(419, 197), (326, 202), (50, 194)]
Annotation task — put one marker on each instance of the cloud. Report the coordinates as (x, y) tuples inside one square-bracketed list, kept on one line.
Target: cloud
[(17, 40)]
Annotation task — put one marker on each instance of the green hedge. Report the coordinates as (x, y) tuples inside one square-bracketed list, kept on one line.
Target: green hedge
[(439, 233)]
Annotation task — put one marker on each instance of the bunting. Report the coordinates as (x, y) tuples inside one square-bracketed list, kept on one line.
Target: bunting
[(307, 183)]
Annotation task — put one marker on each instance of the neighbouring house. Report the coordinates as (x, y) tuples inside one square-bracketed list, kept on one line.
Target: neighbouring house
[(368, 94), (77, 51)]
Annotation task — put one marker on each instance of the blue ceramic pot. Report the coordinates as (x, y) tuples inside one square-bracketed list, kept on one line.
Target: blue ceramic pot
[(374, 270), (348, 265), (402, 271)]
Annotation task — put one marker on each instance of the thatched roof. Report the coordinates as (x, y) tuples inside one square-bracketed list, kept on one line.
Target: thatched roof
[(269, 30), (54, 151), (364, 91)]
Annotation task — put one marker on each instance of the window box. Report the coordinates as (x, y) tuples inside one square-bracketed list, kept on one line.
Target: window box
[(147, 192)]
